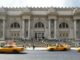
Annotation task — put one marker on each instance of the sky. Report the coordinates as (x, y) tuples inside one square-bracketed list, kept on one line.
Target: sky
[(39, 3)]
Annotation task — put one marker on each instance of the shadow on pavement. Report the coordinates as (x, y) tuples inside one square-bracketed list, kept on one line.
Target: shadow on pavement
[(14, 53)]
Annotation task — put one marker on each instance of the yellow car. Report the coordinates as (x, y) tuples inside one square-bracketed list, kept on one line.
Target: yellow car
[(58, 47), (78, 49), (67, 46), (11, 49)]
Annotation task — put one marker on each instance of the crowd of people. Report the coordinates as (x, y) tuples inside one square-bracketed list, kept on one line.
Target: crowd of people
[(29, 43)]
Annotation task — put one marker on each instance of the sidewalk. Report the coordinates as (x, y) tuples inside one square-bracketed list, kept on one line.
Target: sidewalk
[(73, 48), (44, 48), (37, 48)]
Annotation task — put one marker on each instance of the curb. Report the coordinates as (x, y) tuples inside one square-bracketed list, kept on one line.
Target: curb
[(39, 48)]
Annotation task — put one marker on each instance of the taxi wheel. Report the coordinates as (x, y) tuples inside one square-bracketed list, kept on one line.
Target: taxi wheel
[(51, 49), (15, 51), (65, 49), (78, 50)]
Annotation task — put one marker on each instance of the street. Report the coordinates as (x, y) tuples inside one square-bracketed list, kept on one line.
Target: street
[(42, 55)]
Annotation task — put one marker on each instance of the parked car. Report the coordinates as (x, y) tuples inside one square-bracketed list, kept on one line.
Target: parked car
[(58, 47)]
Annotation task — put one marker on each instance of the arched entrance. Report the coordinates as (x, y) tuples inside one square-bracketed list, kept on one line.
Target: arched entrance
[(39, 31), (39, 35), (63, 30)]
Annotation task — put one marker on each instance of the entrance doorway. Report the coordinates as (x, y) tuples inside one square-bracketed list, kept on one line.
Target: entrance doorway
[(39, 35)]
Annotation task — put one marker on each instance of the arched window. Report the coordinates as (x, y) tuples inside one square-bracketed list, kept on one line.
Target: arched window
[(1, 20), (63, 34), (1, 23), (63, 25), (15, 25), (39, 25)]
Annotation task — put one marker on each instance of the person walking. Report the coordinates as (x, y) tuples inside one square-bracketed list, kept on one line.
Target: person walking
[(33, 47)]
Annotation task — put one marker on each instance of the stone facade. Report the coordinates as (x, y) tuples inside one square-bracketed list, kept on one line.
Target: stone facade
[(39, 23)]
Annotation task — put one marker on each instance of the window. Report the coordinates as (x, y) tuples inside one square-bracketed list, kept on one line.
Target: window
[(26, 34), (63, 25), (52, 23), (1, 23), (52, 34), (39, 25), (26, 23), (15, 25), (78, 20), (15, 34), (1, 20), (78, 28), (39, 35), (1, 34), (78, 24), (63, 34), (78, 34)]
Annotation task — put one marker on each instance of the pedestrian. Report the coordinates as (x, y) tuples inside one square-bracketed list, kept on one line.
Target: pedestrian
[(33, 47), (24, 46)]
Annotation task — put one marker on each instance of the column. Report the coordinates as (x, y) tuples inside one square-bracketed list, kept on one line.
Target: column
[(74, 29), (49, 30), (23, 28), (54, 29), (3, 29), (28, 28)]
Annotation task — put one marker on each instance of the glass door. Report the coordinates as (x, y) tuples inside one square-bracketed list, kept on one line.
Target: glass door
[(39, 35)]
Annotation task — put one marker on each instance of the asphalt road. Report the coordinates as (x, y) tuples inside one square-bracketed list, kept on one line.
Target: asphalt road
[(42, 55)]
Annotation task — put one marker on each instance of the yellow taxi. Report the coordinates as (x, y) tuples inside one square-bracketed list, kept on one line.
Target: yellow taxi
[(11, 48), (78, 49), (58, 47), (67, 46)]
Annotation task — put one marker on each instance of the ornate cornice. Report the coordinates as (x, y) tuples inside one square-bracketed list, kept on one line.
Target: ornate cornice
[(52, 11), (76, 11)]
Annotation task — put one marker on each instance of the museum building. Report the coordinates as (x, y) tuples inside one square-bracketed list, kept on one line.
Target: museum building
[(39, 23)]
